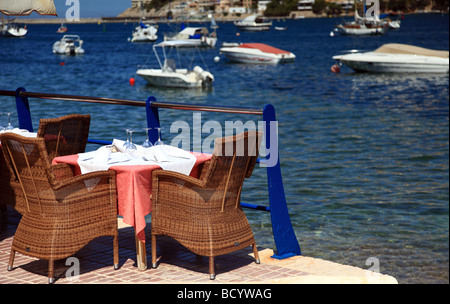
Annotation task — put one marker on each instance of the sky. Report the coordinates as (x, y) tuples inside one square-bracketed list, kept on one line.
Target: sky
[(89, 8)]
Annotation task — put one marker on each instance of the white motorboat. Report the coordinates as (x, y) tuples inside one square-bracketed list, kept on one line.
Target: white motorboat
[(397, 58), (10, 29), (69, 45), (168, 75), (145, 32), (196, 36), (256, 53), (13, 30), (253, 23)]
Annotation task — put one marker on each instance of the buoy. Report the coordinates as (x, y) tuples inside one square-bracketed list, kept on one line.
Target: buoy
[(331, 34), (238, 34), (216, 59), (131, 81), (335, 69), (61, 63)]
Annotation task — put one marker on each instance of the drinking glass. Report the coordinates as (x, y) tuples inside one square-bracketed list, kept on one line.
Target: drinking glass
[(130, 147), (127, 142), (9, 126), (159, 142), (147, 143)]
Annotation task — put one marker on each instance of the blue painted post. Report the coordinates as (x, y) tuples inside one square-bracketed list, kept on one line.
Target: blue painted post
[(23, 111), (152, 119), (283, 233)]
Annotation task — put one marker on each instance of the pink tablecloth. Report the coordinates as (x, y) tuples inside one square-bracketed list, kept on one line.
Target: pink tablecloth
[(134, 187)]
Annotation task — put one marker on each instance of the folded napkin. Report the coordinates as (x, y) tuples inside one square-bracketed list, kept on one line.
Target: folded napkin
[(165, 156), (22, 132)]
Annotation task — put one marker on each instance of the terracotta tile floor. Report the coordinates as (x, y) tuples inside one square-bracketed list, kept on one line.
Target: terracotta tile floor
[(176, 264)]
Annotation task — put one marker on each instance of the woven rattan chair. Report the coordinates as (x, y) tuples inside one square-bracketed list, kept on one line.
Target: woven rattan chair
[(64, 212), (204, 214), (63, 135)]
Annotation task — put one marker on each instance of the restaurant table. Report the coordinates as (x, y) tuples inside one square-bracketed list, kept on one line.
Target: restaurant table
[(134, 187)]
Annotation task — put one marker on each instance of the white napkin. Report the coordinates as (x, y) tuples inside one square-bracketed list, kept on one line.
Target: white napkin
[(102, 156), (165, 156), (22, 132)]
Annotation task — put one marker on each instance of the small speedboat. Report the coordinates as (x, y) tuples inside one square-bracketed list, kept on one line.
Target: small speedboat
[(12, 30), (253, 23), (69, 45), (145, 32), (397, 58), (256, 53), (62, 28), (197, 36), (168, 75)]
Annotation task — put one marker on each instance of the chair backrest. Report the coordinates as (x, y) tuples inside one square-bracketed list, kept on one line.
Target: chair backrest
[(233, 160), (65, 135), (28, 162)]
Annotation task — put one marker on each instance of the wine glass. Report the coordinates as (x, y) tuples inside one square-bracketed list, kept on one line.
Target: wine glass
[(147, 143), (130, 147), (127, 142), (9, 126), (159, 142)]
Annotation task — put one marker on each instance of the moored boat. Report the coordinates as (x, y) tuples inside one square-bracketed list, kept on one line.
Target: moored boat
[(145, 32), (168, 75), (253, 23), (397, 58), (196, 36), (69, 45), (257, 53), (10, 29)]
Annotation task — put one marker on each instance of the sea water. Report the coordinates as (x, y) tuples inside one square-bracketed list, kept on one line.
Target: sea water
[(364, 157)]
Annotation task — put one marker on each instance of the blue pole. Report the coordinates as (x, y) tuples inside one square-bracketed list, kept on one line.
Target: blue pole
[(23, 111), (152, 119), (283, 233)]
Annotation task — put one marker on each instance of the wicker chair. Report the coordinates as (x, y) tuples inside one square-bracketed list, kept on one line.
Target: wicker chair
[(63, 135), (64, 212), (204, 214)]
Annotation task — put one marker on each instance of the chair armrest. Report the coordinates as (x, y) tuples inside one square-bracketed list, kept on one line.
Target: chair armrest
[(159, 174), (62, 171), (84, 178)]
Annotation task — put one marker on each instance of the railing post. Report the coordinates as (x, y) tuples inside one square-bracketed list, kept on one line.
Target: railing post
[(283, 233), (23, 111), (152, 119)]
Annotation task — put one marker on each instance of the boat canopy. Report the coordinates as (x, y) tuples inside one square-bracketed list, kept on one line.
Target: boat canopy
[(264, 48), (26, 7), (175, 43), (398, 48)]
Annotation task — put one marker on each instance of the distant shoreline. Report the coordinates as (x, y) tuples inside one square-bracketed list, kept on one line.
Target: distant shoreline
[(164, 20)]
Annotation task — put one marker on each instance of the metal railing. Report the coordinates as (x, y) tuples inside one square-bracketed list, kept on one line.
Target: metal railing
[(284, 236)]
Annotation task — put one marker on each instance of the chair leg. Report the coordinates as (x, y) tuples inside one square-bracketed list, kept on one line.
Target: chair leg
[(255, 252), (11, 260), (212, 274), (51, 270), (116, 251), (154, 251)]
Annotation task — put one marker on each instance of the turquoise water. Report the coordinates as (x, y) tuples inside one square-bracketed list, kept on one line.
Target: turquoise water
[(364, 157)]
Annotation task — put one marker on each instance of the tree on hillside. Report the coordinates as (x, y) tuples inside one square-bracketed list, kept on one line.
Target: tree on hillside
[(319, 6), (280, 8)]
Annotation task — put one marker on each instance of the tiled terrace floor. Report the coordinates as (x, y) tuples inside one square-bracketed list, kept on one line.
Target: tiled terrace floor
[(176, 265)]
